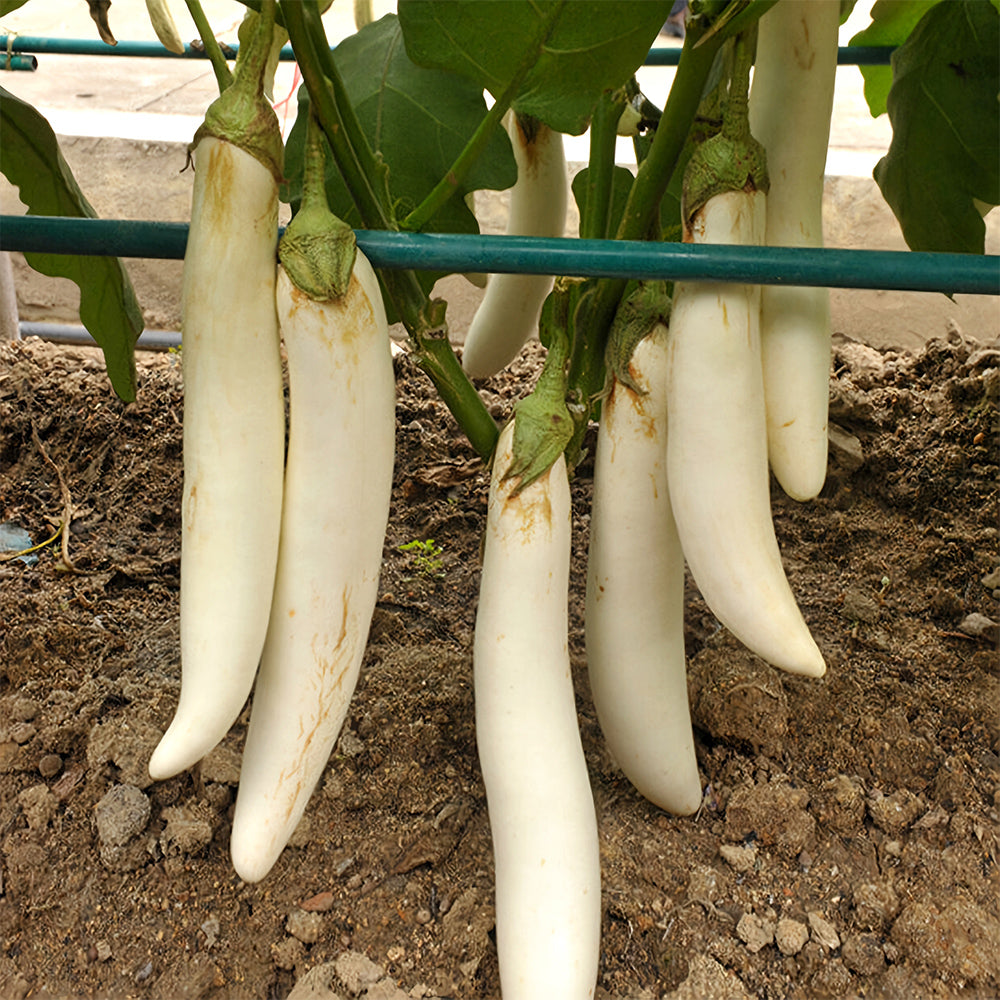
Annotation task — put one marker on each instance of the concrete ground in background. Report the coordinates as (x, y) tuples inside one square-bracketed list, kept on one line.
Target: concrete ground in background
[(130, 172)]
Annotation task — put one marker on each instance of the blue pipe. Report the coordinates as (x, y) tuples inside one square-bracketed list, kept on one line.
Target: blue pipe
[(19, 61), (904, 270), (853, 55)]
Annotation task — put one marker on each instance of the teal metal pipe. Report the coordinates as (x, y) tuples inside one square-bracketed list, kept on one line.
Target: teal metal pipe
[(904, 270), (19, 61), (853, 55)]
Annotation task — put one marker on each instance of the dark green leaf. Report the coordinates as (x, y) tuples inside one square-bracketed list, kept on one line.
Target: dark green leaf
[(892, 22), (8, 6), (945, 128), (31, 160), (593, 46)]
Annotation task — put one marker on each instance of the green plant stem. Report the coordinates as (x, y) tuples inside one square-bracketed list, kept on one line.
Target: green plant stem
[(213, 50), (595, 220), (374, 210), (586, 371), (474, 148), (439, 361)]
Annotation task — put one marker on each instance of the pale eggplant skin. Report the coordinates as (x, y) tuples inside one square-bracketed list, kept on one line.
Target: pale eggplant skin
[(791, 103), (717, 465), (541, 808), (511, 306), (338, 481), (634, 622), (234, 443)]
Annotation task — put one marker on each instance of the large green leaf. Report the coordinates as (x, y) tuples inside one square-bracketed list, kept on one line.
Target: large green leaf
[(892, 22), (579, 48), (418, 120), (8, 6), (945, 128), (31, 160)]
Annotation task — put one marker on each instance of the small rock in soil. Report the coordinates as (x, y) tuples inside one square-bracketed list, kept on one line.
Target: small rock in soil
[(188, 829), (862, 953), (121, 815), (356, 971), (775, 813), (708, 980), (755, 932), (316, 984), (289, 953), (959, 939), (739, 857), (894, 813), (832, 979), (736, 697), (980, 627), (875, 905), (823, 932), (840, 805), (50, 765), (790, 936), (39, 806), (304, 925)]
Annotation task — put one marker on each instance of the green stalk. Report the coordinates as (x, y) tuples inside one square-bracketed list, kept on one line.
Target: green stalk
[(317, 249), (597, 309), (595, 221), (358, 173), (439, 361), (448, 184), (212, 48), (241, 114)]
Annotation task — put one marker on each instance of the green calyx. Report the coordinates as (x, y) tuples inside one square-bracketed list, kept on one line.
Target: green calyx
[(317, 249), (241, 114), (543, 424), (638, 313), (732, 160), (723, 163)]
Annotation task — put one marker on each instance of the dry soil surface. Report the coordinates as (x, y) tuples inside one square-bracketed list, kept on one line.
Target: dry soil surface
[(847, 841)]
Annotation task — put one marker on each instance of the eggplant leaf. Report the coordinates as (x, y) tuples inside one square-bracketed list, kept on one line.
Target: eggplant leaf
[(945, 128), (892, 22), (31, 160), (579, 48)]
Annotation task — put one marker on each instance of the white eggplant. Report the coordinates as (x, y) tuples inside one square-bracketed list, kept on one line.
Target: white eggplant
[(542, 817), (336, 505), (635, 591), (791, 102), (234, 440), (508, 313), (717, 450)]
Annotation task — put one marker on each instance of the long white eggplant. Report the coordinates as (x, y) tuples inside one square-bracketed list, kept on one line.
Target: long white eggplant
[(635, 591), (234, 440), (542, 817), (791, 102), (509, 311), (336, 505), (717, 450)]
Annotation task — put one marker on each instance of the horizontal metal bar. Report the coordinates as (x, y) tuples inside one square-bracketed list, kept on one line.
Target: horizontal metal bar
[(18, 62), (880, 269), (72, 333), (850, 55)]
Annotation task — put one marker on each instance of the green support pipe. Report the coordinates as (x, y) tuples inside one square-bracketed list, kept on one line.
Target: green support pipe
[(904, 270), (854, 55)]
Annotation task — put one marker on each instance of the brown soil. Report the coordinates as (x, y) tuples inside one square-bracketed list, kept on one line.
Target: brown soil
[(847, 843)]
